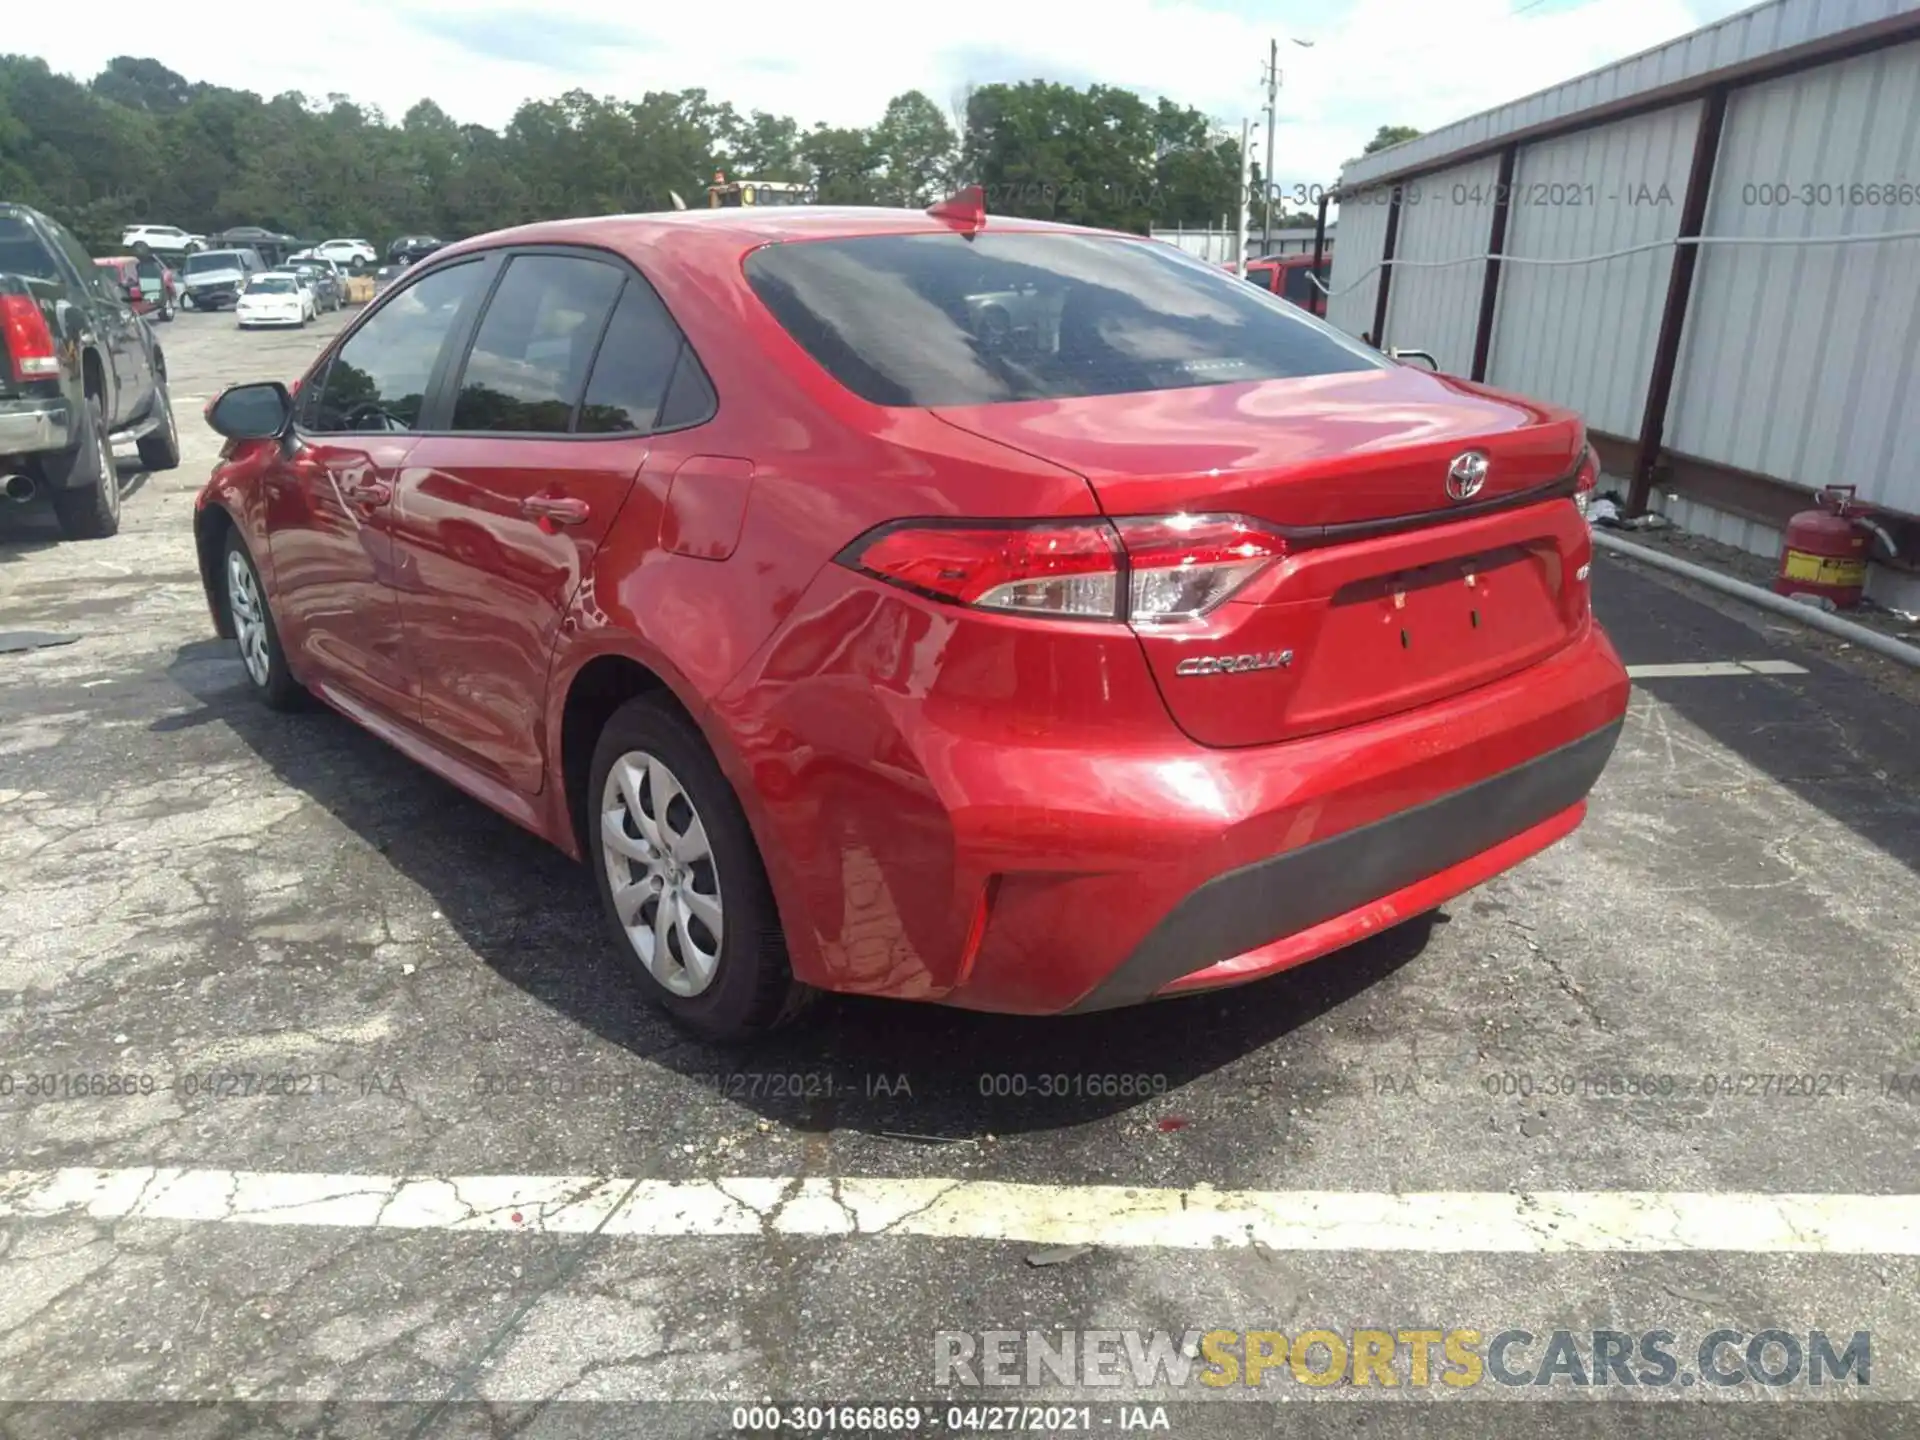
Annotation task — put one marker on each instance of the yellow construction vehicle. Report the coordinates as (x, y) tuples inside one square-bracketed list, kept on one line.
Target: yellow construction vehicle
[(724, 192)]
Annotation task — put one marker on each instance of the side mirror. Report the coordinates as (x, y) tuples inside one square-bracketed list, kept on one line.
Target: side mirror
[(1405, 356), (262, 410)]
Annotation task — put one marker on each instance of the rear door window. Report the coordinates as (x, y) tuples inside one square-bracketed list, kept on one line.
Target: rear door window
[(529, 361), (635, 365), (948, 319)]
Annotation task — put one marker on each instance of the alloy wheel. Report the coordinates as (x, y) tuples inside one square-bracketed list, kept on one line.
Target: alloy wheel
[(249, 613), (662, 873)]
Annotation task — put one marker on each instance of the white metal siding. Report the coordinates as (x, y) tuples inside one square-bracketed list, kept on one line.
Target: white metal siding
[(1447, 216), (1803, 361), (1583, 335), (1363, 236), (1739, 39)]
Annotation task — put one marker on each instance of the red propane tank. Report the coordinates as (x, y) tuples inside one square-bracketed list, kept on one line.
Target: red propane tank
[(1826, 551)]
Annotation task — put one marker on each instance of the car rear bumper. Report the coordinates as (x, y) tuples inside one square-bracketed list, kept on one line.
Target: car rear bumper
[(1277, 912), (1246, 862), (1017, 832), (35, 427)]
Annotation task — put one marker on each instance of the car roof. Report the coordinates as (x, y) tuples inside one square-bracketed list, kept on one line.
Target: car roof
[(746, 227)]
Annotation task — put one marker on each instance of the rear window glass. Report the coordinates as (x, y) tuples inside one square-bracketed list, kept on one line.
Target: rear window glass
[(23, 253), (1300, 287), (947, 320), (271, 285)]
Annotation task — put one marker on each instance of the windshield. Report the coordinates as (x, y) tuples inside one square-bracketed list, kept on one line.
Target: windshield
[(947, 320), (212, 261), (272, 285)]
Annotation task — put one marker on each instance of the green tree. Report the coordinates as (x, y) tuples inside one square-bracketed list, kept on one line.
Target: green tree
[(915, 147), (845, 165), (140, 142), (1056, 153), (1388, 135), (1196, 172)]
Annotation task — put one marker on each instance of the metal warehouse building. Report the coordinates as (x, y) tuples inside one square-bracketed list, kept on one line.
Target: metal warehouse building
[(1711, 249)]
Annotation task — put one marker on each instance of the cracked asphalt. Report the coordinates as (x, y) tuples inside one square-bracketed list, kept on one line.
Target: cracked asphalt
[(302, 953)]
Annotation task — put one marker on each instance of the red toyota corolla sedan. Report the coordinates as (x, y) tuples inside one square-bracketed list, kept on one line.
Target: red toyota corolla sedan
[(927, 605)]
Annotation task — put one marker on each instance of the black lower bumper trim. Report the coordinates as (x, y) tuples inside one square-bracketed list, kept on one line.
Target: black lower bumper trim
[(1286, 893)]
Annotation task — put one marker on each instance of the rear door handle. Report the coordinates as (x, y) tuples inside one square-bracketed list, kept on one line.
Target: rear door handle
[(555, 509)]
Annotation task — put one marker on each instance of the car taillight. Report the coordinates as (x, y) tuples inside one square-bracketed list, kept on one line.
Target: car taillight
[(1586, 479), (29, 342), (1147, 570), (1066, 570), (1182, 566)]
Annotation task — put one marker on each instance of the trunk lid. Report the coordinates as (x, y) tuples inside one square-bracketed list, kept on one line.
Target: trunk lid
[(1394, 594), (1321, 450)]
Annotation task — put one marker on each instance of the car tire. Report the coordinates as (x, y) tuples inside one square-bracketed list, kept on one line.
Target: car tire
[(254, 632), (161, 450), (186, 302), (694, 858), (86, 495)]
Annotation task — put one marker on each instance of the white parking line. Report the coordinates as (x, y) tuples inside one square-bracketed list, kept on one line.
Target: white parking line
[(1202, 1218), (1711, 668)]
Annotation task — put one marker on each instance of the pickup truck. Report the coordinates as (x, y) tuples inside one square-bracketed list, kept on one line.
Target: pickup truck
[(215, 278), (79, 373)]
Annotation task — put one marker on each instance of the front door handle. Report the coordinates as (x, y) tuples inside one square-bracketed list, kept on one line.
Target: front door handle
[(367, 492), (552, 510)]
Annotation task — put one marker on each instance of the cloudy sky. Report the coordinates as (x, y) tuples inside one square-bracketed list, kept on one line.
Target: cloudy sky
[(1373, 62)]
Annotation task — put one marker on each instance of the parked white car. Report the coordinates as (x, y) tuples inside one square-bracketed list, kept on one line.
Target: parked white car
[(346, 252), (276, 297), (160, 237)]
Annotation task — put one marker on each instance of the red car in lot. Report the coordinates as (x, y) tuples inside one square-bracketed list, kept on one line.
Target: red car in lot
[(1160, 642), (150, 287)]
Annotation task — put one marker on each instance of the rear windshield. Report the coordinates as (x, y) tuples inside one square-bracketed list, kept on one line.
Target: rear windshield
[(213, 260), (272, 285), (947, 320), (1299, 283), (22, 253)]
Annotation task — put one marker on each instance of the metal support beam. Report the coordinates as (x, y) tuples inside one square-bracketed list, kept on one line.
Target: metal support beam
[(1496, 244), (1319, 253), (1673, 319), (1386, 271)]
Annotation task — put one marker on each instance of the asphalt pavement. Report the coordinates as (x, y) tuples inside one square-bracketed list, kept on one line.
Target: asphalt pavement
[(386, 1139)]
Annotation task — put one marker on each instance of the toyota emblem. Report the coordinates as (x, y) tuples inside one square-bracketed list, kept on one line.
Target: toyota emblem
[(1467, 475)]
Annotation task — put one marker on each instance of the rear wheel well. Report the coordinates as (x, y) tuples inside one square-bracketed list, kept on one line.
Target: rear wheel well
[(603, 685), (210, 529)]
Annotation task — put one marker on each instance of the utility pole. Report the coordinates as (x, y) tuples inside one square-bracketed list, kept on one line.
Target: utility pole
[(1246, 189), (1266, 175), (1273, 105)]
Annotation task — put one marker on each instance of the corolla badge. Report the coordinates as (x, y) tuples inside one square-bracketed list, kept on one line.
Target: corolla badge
[(1234, 664), (1467, 474)]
